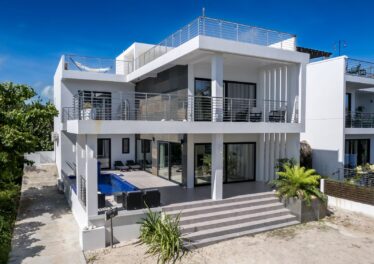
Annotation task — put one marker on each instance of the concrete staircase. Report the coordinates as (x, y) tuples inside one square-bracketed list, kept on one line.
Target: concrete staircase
[(207, 222)]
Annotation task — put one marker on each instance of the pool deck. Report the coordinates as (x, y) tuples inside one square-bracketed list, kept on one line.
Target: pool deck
[(172, 193)]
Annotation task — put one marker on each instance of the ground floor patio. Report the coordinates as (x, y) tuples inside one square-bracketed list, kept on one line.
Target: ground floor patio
[(173, 193)]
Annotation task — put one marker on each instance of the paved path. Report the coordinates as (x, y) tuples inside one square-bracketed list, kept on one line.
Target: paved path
[(45, 230)]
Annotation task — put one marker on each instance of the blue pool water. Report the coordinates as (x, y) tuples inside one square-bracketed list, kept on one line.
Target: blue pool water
[(111, 183)]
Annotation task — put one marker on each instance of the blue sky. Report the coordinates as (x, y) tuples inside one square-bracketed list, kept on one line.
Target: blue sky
[(34, 34)]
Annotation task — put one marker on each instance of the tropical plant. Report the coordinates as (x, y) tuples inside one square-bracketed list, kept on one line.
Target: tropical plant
[(279, 166), (25, 126), (207, 164), (298, 182), (162, 235)]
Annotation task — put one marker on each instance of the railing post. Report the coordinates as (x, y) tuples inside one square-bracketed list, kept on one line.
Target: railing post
[(169, 107), (231, 109), (264, 111), (146, 107)]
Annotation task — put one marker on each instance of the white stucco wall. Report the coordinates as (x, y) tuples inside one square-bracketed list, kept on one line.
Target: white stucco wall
[(325, 114)]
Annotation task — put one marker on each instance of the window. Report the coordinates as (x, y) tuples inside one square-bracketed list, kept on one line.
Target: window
[(125, 145), (348, 102)]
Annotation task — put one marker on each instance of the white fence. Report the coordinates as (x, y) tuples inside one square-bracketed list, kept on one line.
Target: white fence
[(41, 157)]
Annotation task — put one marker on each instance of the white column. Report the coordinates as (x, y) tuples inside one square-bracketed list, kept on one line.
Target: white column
[(272, 157), (217, 87), (91, 175), (80, 161), (293, 146), (217, 166), (261, 158), (190, 91), (267, 157), (190, 161)]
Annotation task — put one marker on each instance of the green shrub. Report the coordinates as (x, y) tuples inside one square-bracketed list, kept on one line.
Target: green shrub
[(162, 236), (298, 182)]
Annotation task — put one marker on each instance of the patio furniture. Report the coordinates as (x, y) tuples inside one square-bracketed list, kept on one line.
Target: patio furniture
[(133, 200), (133, 165), (255, 115), (118, 197), (152, 198), (354, 70), (118, 165), (100, 200), (277, 116)]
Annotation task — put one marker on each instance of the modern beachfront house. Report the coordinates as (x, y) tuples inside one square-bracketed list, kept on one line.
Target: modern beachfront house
[(340, 114), (202, 117)]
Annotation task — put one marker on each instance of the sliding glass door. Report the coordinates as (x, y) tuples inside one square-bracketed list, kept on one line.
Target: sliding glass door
[(170, 161), (103, 152), (357, 152), (144, 154), (239, 162)]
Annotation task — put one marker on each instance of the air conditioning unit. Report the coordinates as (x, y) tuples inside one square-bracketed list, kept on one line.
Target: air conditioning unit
[(54, 136)]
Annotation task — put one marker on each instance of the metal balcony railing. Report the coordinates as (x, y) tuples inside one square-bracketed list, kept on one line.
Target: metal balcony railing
[(360, 68), (97, 65), (359, 120), (175, 107), (219, 29)]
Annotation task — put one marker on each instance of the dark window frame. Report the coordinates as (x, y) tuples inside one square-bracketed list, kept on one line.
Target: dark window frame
[(125, 151)]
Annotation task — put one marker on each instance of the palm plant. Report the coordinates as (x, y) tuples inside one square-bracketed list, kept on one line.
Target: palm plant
[(162, 236), (296, 181)]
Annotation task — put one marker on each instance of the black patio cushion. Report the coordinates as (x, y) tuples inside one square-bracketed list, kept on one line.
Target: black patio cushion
[(133, 200), (152, 198)]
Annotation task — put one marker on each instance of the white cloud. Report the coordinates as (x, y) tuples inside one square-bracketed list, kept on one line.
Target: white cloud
[(47, 92)]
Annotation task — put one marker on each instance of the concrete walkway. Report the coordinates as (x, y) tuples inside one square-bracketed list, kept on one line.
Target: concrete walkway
[(45, 230)]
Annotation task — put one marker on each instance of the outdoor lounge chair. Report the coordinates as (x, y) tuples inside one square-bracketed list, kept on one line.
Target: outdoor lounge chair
[(152, 198), (118, 165), (277, 115), (133, 165), (255, 115), (100, 200), (133, 200)]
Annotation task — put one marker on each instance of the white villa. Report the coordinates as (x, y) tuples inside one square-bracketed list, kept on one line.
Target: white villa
[(203, 116), (340, 114)]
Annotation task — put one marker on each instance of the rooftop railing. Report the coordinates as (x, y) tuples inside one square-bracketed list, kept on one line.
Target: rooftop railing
[(97, 65), (175, 107), (359, 120), (219, 29), (360, 68)]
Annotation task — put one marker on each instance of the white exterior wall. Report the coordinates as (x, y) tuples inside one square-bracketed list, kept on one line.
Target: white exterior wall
[(325, 114)]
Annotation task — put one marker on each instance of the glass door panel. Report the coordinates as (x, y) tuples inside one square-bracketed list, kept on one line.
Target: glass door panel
[(176, 162), (103, 152), (163, 160), (203, 163), (203, 103), (239, 162)]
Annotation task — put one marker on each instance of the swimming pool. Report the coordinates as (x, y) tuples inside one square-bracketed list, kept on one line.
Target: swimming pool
[(110, 183)]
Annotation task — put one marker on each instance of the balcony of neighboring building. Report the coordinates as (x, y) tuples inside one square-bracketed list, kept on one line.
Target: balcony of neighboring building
[(359, 109), (359, 73)]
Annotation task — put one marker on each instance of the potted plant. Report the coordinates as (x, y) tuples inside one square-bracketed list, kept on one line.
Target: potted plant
[(297, 188), (88, 113)]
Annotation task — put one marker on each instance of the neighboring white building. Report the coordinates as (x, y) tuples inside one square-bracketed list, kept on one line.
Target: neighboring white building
[(340, 114), (212, 89)]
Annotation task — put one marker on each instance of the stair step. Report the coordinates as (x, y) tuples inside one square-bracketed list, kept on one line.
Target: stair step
[(219, 231), (234, 220), (212, 240), (208, 202), (203, 217), (223, 206)]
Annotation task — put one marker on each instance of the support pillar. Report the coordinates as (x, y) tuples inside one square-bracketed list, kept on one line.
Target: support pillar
[(80, 161), (91, 175), (190, 161), (217, 88), (217, 167)]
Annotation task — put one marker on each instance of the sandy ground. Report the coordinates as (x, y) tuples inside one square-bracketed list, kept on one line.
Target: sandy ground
[(343, 237)]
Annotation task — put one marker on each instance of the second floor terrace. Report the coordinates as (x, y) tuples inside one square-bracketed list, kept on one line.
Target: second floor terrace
[(174, 108)]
